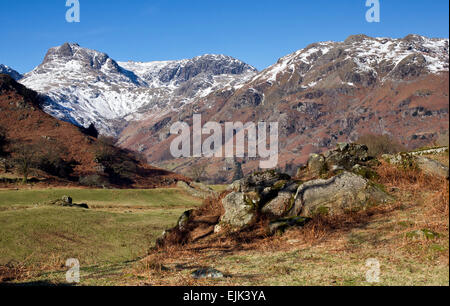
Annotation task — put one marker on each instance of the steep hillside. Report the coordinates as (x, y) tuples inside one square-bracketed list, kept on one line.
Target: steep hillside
[(84, 86), (326, 93), (25, 122)]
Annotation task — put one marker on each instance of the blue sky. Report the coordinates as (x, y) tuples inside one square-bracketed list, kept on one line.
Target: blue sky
[(255, 31)]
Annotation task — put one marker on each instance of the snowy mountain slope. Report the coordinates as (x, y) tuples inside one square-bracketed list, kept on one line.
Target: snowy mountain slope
[(84, 86), (372, 57), (11, 72), (326, 93)]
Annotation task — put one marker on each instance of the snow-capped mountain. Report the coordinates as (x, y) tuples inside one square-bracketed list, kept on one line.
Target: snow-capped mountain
[(11, 72), (365, 59), (84, 86), (326, 93)]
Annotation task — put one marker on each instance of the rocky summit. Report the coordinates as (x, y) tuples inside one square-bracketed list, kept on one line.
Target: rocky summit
[(11, 72), (84, 86)]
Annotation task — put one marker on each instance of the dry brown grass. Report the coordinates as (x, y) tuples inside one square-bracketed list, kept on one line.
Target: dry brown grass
[(421, 203), (13, 272)]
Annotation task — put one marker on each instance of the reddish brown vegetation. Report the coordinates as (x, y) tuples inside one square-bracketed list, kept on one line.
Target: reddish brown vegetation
[(25, 123), (404, 185)]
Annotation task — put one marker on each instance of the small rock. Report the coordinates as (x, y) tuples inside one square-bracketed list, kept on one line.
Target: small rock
[(283, 224), (207, 273), (67, 199)]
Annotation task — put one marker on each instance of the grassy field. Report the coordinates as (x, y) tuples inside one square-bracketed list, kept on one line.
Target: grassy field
[(112, 240), (119, 228)]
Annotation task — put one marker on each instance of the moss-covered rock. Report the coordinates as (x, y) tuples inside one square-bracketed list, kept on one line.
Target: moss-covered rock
[(339, 194), (240, 210), (279, 206)]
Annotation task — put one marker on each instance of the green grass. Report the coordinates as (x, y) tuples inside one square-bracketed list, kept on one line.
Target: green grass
[(219, 188), (152, 198), (120, 227)]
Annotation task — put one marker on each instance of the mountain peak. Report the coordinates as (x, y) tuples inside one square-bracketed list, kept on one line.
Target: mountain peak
[(73, 51), (11, 72), (84, 85)]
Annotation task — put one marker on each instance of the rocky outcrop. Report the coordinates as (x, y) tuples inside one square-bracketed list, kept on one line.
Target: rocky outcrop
[(416, 159), (333, 183), (432, 167), (345, 157), (337, 195), (197, 190), (278, 202)]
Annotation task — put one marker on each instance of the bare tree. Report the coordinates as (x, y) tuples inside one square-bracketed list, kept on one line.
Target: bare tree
[(198, 171), (380, 144), (3, 153), (25, 159)]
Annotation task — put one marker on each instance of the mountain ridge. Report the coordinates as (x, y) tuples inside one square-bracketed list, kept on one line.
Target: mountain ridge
[(85, 86), (321, 94), (326, 93)]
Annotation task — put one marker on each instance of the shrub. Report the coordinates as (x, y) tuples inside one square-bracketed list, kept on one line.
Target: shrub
[(49, 159), (198, 171), (120, 165), (90, 131), (24, 158), (381, 144), (238, 173)]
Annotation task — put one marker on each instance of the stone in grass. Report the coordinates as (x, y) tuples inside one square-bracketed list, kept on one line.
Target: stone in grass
[(279, 226), (67, 200), (207, 273)]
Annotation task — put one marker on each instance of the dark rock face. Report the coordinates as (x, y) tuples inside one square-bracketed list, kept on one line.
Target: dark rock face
[(251, 98), (208, 64), (85, 86), (412, 66)]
